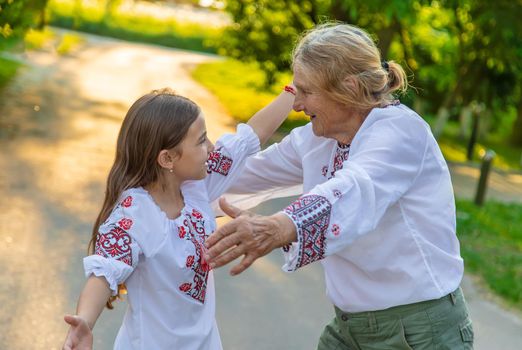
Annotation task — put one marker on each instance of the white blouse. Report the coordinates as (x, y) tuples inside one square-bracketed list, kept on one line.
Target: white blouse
[(171, 300), (379, 214)]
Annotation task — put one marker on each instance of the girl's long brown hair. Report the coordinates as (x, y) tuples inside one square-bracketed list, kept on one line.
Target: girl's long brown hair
[(156, 121)]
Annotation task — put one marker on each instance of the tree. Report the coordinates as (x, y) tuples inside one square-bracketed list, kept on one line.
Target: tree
[(485, 57), (264, 31), (16, 17)]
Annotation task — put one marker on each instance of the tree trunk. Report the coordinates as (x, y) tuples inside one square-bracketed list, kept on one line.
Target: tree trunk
[(386, 35), (444, 112), (340, 12), (464, 121), (516, 134)]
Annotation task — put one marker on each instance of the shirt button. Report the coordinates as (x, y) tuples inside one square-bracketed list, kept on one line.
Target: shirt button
[(344, 317)]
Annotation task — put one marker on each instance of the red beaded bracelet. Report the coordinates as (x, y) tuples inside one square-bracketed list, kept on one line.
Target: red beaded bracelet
[(290, 89)]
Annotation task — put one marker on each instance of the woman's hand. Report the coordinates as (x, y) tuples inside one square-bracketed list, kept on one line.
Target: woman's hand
[(250, 235), (79, 336)]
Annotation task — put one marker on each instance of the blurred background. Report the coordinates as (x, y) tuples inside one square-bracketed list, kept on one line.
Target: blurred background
[(69, 70)]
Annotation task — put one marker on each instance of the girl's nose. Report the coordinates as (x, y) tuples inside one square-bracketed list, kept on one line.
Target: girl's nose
[(210, 146)]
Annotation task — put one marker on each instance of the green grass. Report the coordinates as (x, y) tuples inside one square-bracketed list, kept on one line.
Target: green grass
[(134, 27), (8, 70), (491, 245), (239, 86), (455, 149)]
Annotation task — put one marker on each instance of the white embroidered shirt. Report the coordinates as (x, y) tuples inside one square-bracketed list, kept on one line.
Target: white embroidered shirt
[(379, 214), (171, 300)]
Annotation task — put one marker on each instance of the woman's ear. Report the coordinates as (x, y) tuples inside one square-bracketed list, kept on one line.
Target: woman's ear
[(167, 158)]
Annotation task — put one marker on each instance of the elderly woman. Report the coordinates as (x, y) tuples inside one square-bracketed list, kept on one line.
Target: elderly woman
[(378, 208)]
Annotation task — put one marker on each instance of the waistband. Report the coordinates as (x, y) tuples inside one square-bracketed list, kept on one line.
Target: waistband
[(402, 310)]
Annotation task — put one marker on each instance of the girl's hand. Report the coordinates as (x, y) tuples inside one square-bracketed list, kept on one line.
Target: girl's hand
[(79, 336)]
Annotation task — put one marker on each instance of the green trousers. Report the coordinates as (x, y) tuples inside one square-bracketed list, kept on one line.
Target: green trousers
[(434, 324)]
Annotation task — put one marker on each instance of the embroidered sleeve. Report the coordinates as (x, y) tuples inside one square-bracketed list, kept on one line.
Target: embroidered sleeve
[(116, 253), (218, 162), (381, 168), (311, 216), (225, 163)]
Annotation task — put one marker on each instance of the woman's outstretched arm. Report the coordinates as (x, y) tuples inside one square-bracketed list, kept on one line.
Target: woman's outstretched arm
[(90, 305)]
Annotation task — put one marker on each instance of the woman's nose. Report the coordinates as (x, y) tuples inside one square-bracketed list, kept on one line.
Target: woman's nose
[(297, 106)]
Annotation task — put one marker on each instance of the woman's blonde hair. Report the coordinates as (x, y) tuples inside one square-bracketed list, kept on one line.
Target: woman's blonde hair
[(156, 121), (331, 53)]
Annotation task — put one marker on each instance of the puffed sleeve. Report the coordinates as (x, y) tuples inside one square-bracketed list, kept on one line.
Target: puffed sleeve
[(228, 158), (122, 239), (381, 167)]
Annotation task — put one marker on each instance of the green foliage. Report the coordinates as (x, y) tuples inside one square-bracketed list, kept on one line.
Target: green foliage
[(460, 52), (491, 245), (264, 32), (17, 16), (98, 19)]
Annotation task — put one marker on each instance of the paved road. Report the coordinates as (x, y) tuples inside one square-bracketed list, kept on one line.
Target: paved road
[(58, 124)]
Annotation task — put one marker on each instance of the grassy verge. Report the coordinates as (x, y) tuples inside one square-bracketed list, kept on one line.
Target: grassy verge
[(238, 86), (8, 70), (455, 149), (91, 17), (491, 245)]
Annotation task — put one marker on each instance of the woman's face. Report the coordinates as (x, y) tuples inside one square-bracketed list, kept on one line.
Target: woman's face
[(329, 118)]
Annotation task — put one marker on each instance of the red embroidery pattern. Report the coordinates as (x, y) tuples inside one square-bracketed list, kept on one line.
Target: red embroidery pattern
[(114, 244), (190, 261), (185, 287), (182, 232), (194, 230), (127, 202), (125, 223), (311, 213), (341, 154), (324, 171), (336, 230), (218, 163)]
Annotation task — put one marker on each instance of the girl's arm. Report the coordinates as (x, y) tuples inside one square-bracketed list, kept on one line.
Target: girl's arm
[(266, 121), (90, 305)]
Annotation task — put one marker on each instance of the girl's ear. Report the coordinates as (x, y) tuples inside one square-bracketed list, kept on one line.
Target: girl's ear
[(167, 158)]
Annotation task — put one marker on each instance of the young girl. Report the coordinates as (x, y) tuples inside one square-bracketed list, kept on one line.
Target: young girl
[(154, 220)]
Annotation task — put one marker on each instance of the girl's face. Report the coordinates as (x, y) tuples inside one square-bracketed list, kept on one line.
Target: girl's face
[(195, 148)]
